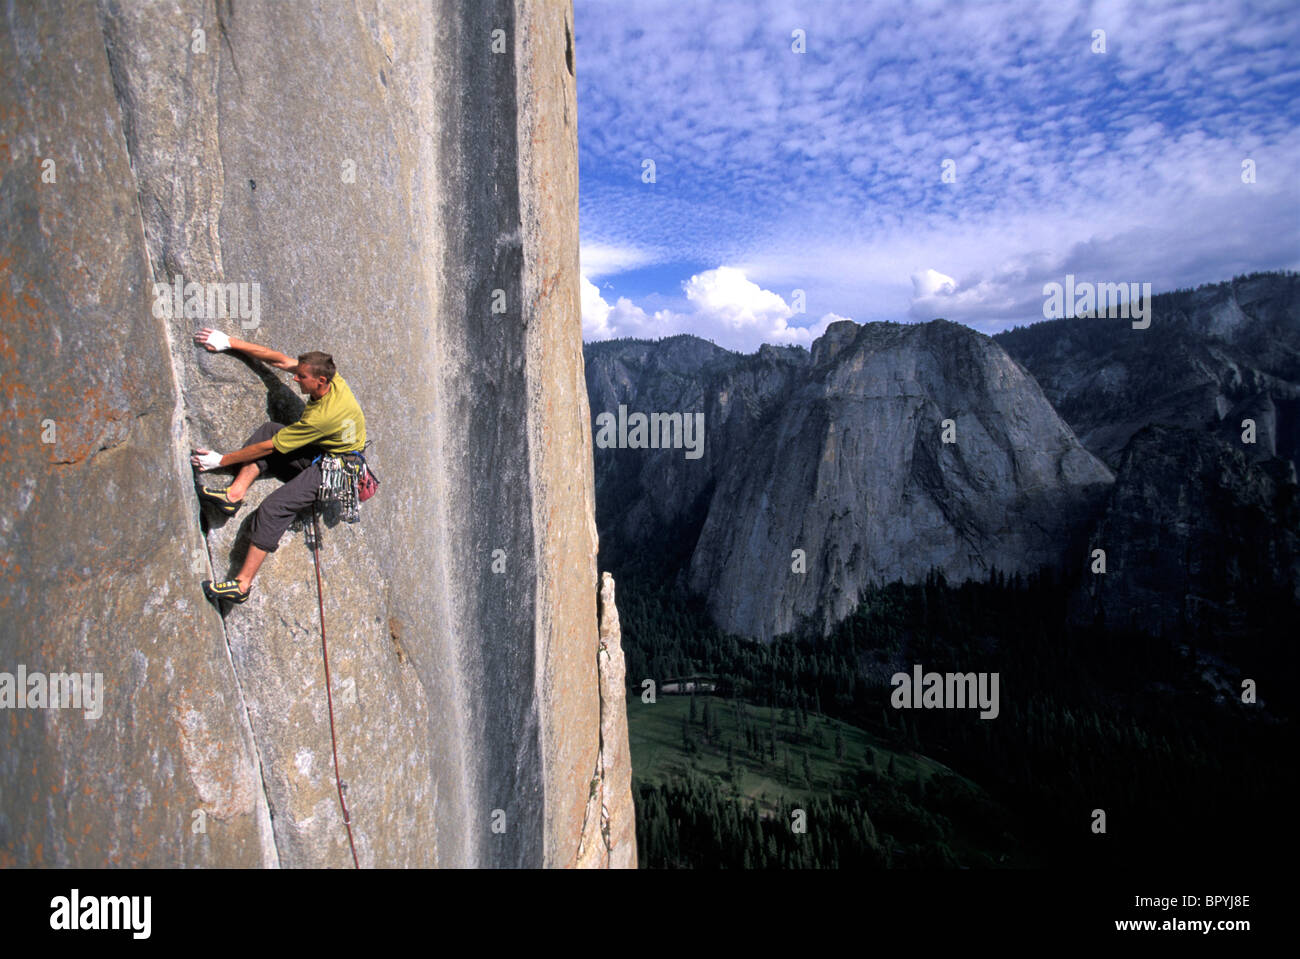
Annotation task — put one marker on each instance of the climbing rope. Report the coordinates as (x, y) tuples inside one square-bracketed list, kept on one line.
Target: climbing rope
[(320, 596)]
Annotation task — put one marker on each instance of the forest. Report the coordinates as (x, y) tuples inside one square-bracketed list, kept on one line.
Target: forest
[(1092, 719)]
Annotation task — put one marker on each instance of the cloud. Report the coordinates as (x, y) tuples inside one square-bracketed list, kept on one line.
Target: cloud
[(608, 259), (822, 171), (595, 313), (602, 320), (932, 283), (732, 301), (722, 305)]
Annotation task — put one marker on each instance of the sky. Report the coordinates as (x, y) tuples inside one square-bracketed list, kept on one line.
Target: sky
[(923, 160)]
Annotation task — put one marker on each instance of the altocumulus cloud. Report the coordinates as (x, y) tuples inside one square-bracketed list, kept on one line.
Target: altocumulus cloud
[(822, 171)]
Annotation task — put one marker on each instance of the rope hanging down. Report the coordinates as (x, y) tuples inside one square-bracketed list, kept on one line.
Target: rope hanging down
[(320, 596)]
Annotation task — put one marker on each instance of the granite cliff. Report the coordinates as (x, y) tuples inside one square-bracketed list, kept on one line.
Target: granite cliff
[(399, 184), (1199, 541), (1200, 417), (841, 454), (1213, 355)]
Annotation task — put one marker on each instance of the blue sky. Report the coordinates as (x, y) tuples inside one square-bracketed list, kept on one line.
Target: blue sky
[(822, 171)]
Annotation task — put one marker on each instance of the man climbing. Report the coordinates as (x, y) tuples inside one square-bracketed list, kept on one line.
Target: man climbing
[(331, 423)]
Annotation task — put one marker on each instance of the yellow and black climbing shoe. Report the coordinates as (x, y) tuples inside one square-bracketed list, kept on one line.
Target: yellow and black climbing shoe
[(226, 590), (218, 498)]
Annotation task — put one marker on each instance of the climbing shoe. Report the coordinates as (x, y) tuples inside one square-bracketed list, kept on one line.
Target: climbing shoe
[(225, 590), (217, 497)]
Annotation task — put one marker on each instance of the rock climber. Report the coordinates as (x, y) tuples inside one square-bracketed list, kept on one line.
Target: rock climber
[(332, 422)]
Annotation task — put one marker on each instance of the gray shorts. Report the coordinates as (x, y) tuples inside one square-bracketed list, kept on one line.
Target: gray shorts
[(301, 478)]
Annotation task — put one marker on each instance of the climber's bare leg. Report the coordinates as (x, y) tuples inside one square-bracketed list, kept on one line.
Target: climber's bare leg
[(247, 473), (252, 563)]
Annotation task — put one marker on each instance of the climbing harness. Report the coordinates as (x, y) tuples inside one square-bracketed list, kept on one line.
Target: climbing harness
[(346, 482), (329, 699)]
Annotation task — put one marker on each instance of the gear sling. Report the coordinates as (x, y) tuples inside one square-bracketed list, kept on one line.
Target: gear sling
[(345, 480)]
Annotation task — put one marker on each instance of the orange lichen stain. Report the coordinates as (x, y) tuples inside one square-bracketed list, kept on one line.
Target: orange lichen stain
[(19, 397)]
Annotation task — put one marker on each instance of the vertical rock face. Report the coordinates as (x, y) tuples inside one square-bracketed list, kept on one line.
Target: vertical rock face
[(856, 474), (839, 454), (608, 834), (659, 496), (399, 181), (1200, 415)]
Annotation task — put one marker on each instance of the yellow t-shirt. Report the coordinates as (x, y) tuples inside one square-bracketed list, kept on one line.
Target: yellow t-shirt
[(334, 422)]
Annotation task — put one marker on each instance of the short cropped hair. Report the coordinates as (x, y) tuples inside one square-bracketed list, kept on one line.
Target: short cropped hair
[(318, 364)]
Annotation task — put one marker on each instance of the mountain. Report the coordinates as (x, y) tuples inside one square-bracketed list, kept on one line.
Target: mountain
[(656, 497), (383, 178), (1199, 541), (1211, 356), (1200, 416), (839, 453)]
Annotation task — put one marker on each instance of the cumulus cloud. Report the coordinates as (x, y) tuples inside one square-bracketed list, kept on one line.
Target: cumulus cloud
[(595, 313), (602, 320), (729, 299), (722, 305), (932, 283)]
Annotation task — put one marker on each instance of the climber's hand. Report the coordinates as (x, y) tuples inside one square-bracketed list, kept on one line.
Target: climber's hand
[(214, 340), (205, 459)]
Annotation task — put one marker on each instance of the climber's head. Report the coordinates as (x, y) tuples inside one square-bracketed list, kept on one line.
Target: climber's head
[(315, 370)]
